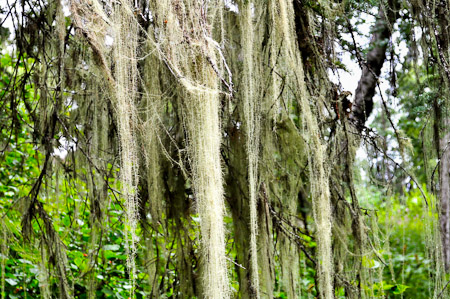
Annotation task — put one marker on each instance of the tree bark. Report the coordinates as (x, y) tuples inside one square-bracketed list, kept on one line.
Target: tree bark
[(444, 195), (442, 39), (371, 69)]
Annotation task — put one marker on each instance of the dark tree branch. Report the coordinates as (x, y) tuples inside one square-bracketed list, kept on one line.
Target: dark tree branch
[(363, 103)]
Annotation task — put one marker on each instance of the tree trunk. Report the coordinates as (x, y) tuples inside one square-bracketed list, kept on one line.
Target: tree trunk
[(444, 196), (442, 39)]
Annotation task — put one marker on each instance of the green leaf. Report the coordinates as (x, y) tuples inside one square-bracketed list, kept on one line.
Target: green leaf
[(109, 254), (400, 288), (387, 286), (107, 292), (112, 247), (11, 281), (35, 270), (370, 263)]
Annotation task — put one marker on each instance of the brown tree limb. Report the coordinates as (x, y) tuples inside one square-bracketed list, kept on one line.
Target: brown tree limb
[(363, 102)]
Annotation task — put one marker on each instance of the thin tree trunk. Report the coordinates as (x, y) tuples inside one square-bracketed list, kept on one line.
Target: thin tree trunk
[(371, 69), (444, 196), (442, 39)]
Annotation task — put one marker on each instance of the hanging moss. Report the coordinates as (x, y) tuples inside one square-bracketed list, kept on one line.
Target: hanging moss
[(125, 73), (191, 96), (252, 120), (316, 151)]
